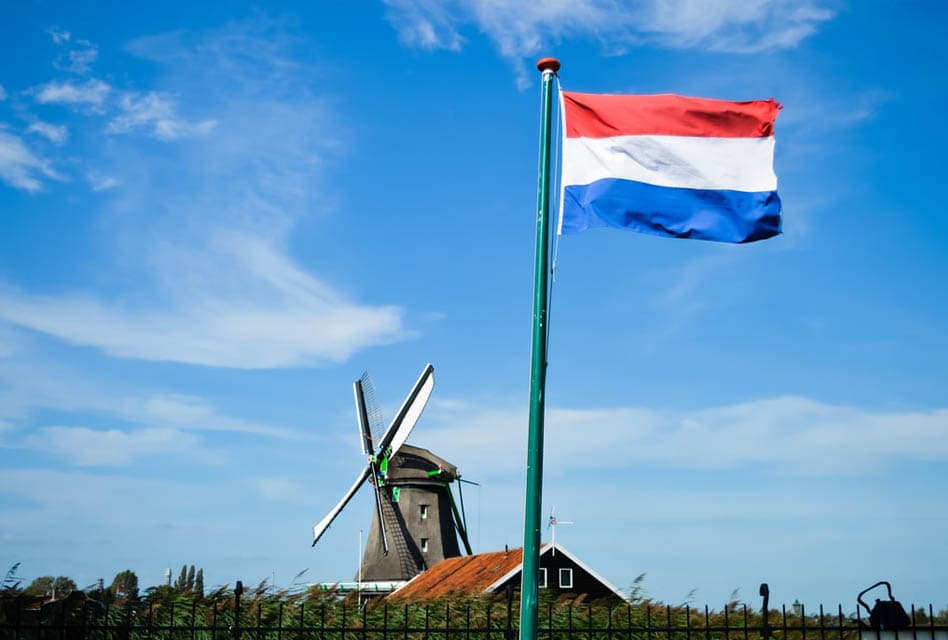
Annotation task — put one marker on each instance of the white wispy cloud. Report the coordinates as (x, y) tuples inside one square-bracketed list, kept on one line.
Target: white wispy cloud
[(78, 60), (426, 24), (520, 30), (156, 115), (247, 306), (189, 412), (3, 93), (217, 285), (733, 26), (55, 133), (789, 434), (92, 93), (279, 489), (31, 385), (59, 36), (112, 447), (811, 114), (79, 54), (101, 182), (19, 166), (205, 227), (100, 423)]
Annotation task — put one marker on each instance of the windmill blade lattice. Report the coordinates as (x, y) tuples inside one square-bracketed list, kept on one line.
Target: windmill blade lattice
[(372, 411)]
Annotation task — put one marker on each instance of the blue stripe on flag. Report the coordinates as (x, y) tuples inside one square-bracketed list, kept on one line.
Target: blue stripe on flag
[(705, 214)]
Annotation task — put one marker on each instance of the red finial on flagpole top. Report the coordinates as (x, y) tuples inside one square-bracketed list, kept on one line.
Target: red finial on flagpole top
[(548, 63)]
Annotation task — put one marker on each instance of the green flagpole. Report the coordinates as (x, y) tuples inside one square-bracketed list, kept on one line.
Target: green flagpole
[(531, 524)]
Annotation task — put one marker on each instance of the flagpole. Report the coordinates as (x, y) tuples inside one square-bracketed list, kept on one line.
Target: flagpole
[(531, 524)]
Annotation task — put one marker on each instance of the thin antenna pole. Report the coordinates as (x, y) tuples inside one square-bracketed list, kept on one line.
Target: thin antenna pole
[(552, 526), (554, 521), (529, 593)]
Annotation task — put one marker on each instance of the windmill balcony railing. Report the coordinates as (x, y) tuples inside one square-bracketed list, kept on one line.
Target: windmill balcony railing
[(312, 616)]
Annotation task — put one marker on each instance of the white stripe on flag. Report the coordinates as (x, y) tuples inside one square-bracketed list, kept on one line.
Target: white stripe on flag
[(739, 164)]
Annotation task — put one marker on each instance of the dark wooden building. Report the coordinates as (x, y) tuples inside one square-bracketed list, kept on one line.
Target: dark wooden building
[(561, 573)]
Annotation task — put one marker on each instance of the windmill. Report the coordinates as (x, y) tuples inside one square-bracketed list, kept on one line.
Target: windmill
[(417, 521), (552, 524)]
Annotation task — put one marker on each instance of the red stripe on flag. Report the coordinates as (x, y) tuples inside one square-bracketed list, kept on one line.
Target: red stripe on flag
[(592, 115)]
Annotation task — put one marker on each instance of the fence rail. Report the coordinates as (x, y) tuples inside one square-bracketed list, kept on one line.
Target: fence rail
[(267, 618)]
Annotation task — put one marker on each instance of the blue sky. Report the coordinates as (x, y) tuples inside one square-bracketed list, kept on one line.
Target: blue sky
[(215, 218)]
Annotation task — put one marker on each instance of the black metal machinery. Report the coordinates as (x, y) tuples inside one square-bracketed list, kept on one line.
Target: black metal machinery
[(885, 615)]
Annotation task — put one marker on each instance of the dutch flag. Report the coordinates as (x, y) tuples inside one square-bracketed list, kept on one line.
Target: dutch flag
[(669, 165)]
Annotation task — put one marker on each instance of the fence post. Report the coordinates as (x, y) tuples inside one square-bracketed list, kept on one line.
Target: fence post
[(765, 631), (238, 591), (508, 634), (62, 620), (128, 620)]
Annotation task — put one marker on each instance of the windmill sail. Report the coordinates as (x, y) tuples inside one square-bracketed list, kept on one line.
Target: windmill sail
[(404, 421), (323, 524)]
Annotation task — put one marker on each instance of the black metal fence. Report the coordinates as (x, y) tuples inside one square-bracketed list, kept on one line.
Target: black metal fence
[(292, 618)]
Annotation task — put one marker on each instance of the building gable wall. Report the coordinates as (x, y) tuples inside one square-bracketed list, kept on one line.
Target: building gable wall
[(584, 583)]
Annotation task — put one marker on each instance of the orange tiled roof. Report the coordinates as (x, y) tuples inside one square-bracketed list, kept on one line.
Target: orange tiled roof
[(465, 575)]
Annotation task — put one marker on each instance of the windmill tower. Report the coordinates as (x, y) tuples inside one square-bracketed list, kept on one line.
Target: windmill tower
[(416, 522)]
